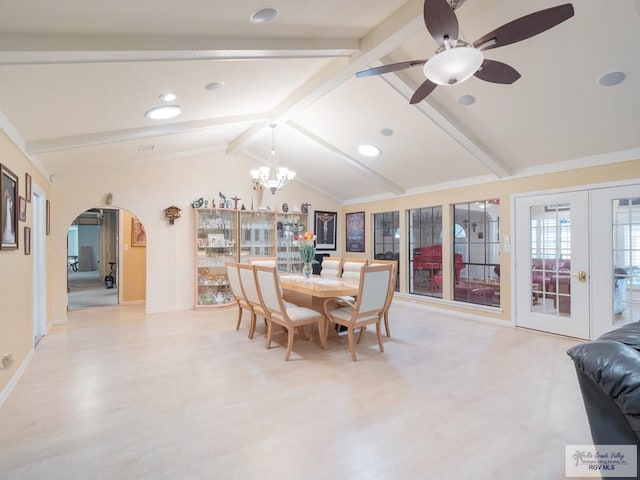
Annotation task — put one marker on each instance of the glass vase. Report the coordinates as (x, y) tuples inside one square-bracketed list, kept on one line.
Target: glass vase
[(307, 270)]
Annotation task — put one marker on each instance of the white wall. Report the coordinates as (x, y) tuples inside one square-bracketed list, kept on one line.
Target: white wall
[(145, 191)]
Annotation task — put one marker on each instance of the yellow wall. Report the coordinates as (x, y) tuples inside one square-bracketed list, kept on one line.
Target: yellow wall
[(133, 265), (16, 272), (502, 190)]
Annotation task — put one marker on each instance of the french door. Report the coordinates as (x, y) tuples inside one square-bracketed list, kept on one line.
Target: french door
[(552, 263), (578, 261)]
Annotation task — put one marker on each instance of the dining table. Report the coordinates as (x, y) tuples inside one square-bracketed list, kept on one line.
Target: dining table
[(312, 292)]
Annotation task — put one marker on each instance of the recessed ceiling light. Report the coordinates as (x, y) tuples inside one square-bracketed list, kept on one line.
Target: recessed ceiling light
[(387, 132), (369, 150), (164, 112), (611, 78), (168, 96), (264, 15), (466, 100), (214, 85)]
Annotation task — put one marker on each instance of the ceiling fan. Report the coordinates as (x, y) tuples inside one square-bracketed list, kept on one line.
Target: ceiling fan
[(456, 60)]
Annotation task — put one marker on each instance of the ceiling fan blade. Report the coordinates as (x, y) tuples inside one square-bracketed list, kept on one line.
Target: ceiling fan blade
[(423, 91), (497, 72), (440, 20), (525, 27), (392, 67)]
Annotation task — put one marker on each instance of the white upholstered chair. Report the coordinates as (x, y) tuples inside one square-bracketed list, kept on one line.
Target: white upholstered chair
[(331, 267), (392, 289), (252, 296), (233, 276), (351, 267), (278, 312), (263, 261), (367, 309)]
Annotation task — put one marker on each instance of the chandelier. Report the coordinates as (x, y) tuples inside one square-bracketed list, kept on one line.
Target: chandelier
[(274, 177)]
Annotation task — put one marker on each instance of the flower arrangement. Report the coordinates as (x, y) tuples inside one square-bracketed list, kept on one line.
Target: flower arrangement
[(307, 247)]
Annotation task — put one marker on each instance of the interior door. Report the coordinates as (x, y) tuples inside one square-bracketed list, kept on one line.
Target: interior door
[(616, 260), (552, 263)]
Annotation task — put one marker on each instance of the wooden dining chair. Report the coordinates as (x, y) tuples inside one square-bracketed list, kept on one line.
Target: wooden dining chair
[(264, 261), (391, 291), (331, 267), (351, 267), (289, 317), (233, 276), (250, 290), (367, 309)]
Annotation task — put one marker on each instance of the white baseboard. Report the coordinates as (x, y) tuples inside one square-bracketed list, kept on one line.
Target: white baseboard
[(132, 302), (14, 380)]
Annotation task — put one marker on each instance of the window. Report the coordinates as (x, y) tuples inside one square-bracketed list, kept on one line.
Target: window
[(425, 251), (386, 239), (476, 237)]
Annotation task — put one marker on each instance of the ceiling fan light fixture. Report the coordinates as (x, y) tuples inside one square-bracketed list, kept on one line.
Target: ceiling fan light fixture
[(453, 65), (164, 113)]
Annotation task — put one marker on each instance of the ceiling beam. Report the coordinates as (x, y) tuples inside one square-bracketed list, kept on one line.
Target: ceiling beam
[(90, 139), (350, 161), (402, 83), (51, 49)]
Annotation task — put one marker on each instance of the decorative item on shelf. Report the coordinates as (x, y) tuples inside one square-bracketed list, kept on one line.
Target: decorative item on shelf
[(197, 203), (108, 199), (274, 177), (307, 250), (223, 200), (285, 207), (305, 207), (243, 208), (235, 202), (172, 213)]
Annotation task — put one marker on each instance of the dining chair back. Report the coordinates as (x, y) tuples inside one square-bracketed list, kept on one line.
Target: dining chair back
[(392, 289), (367, 309), (233, 276), (280, 313), (331, 267), (264, 261), (250, 289), (351, 267)]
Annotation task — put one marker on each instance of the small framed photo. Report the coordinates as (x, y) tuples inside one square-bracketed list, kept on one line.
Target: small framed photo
[(8, 209), (27, 187), (355, 232), (138, 233), (48, 214), (22, 209), (325, 230), (27, 240)]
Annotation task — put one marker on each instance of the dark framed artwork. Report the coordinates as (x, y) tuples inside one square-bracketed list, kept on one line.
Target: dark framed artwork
[(325, 229), (22, 209), (27, 240), (48, 214), (8, 209), (27, 187), (355, 232)]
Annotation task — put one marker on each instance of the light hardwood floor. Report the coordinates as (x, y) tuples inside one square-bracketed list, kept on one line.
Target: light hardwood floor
[(117, 394)]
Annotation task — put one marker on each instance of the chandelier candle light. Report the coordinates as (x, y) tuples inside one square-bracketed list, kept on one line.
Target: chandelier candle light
[(307, 250), (274, 177)]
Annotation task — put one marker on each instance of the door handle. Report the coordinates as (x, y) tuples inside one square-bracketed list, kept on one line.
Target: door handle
[(581, 276)]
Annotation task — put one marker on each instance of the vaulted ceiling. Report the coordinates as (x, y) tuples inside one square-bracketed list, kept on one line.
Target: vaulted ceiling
[(76, 78)]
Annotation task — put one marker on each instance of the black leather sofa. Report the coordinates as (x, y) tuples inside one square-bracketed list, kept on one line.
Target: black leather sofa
[(608, 370)]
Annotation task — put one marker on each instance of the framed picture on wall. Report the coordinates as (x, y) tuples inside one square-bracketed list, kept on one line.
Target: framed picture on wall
[(27, 240), (138, 233), (355, 232), (27, 187), (325, 230), (8, 209), (22, 209)]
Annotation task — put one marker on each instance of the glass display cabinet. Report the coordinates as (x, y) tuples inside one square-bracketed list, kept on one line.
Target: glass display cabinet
[(257, 234), (288, 227), (216, 244)]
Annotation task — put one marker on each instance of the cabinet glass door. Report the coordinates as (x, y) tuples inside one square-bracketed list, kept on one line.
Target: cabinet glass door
[(257, 235), (289, 227)]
